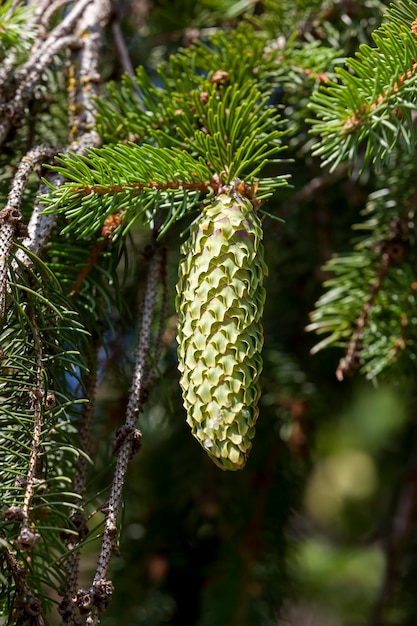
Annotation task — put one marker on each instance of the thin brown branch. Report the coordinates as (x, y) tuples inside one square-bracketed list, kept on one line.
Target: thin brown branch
[(86, 270), (28, 537), (27, 607), (215, 184), (11, 220), (107, 230), (120, 46), (102, 190), (392, 251), (126, 443), (13, 111), (163, 315), (46, 10), (350, 363)]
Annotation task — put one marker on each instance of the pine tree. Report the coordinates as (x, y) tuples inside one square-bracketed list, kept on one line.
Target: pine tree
[(107, 170)]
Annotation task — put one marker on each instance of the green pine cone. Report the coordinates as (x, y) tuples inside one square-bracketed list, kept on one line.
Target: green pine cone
[(220, 303)]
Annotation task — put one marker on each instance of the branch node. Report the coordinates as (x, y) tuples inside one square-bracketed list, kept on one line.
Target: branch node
[(126, 434), (26, 540), (97, 596), (28, 607)]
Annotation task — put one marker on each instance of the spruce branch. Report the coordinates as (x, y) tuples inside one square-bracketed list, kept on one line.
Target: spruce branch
[(391, 252), (298, 62), (63, 29), (374, 101), (239, 133), (196, 141), (40, 342), (126, 178), (85, 78), (32, 288), (85, 75), (361, 310), (13, 19), (80, 29), (139, 105)]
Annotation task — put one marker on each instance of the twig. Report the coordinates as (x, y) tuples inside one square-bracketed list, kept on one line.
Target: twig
[(28, 78), (85, 271), (27, 607), (46, 11), (11, 219), (27, 537), (392, 251), (86, 80), (120, 46), (127, 442), (13, 111), (163, 314), (61, 30), (40, 224)]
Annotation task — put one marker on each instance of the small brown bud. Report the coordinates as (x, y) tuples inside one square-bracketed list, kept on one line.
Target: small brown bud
[(220, 76)]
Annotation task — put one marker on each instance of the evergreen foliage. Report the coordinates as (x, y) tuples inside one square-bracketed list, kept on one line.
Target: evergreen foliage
[(370, 299), (369, 304), (97, 181), (374, 101), (13, 36), (41, 339)]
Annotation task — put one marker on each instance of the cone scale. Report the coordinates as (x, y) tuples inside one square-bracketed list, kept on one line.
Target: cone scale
[(220, 300)]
